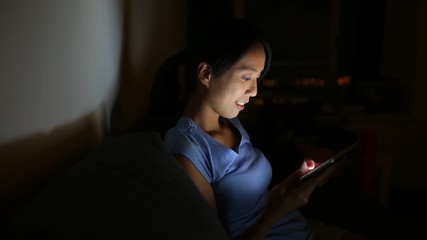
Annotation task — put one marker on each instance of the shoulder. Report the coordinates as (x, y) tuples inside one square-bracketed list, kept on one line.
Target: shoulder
[(185, 135), (187, 140), (184, 129)]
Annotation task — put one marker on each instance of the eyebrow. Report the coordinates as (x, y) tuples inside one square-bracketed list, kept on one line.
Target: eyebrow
[(250, 68), (246, 67)]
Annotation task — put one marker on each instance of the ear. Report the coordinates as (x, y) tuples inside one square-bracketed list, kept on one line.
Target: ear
[(204, 73)]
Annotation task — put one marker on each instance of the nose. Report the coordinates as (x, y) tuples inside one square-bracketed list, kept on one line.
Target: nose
[(253, 88)]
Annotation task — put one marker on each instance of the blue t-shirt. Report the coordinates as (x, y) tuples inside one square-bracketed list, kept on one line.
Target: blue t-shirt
[(239, 178)]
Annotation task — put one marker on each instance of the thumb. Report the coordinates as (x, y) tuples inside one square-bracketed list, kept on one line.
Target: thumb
[(307, 165)]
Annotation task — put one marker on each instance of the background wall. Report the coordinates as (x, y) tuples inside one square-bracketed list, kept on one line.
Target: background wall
[(71, 71), (58, 61)]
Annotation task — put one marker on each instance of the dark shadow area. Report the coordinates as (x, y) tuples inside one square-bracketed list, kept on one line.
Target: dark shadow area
[(39, 159)]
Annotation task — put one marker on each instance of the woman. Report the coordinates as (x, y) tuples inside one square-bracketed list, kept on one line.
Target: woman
[(224, 62)]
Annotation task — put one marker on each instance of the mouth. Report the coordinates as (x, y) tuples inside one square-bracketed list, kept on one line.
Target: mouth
[(240, 105)]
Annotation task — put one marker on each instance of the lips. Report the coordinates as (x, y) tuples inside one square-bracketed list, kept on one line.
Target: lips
[(240, 105)]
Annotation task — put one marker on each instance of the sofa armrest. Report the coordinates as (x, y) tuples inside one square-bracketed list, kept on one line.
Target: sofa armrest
[(129, 188)]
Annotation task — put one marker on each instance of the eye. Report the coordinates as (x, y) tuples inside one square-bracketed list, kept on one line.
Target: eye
[(246, 78)]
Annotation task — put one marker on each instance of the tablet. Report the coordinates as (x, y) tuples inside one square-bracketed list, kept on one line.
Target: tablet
[(323, 166)]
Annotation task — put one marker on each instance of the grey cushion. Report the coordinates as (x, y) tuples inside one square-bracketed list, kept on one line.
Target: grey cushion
[(129, 188)]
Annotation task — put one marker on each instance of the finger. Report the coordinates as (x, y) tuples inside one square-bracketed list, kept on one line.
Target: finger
[(323, 177), (307, 165), (319, 180), (289, 181), (310, 164), (309, 185)]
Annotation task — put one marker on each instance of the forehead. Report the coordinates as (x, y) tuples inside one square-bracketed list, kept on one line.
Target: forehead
[(254, 59)]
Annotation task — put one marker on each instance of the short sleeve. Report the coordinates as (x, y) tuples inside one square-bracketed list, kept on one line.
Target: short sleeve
[(177, 141)]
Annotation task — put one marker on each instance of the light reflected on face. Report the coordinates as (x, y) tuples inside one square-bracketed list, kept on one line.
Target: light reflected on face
[(228, 93)]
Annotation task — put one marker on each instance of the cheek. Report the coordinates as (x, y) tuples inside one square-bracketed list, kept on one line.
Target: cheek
[(230, 92), (223, 99), (226, 88), (220, 88)]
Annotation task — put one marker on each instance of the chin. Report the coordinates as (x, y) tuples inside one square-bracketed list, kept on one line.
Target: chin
[(230, 116)]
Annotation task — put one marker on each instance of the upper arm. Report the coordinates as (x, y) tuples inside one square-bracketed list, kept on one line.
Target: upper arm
[(201, 183)]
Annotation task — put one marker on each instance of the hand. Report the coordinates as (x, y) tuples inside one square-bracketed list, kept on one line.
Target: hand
[(309, 165), (286, 197)]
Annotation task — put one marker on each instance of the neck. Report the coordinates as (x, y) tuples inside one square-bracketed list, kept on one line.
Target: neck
[(211, 122), (198, 110)]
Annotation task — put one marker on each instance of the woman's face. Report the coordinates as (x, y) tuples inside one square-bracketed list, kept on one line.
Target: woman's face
[(227, 94)]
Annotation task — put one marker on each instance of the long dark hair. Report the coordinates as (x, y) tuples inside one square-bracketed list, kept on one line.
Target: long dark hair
[(220, 43)]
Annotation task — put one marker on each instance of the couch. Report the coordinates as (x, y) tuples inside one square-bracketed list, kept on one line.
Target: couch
[(128, 188)]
